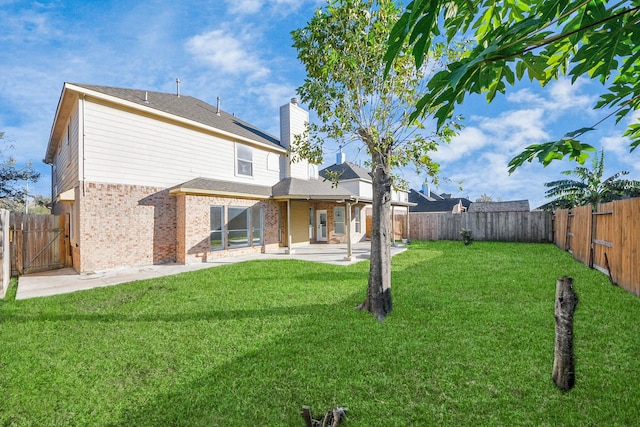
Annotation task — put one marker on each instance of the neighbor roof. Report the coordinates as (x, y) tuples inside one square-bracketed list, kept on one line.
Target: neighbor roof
[(509, 206), (423, 204), (346, 171)]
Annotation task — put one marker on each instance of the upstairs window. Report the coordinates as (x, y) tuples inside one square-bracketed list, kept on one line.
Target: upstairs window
[(244, 160), (313, 171)]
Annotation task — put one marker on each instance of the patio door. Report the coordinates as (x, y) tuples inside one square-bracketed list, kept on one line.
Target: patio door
[(321, 226)]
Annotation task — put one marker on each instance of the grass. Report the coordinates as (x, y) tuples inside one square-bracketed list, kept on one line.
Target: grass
[(469, 342)]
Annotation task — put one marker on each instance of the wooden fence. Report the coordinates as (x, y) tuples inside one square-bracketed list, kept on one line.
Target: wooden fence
[(31, 243), (5, 252), (607, 239), (532, 227), (399, 226)]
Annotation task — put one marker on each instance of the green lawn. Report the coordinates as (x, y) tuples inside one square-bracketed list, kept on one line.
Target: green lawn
[(469, 342)]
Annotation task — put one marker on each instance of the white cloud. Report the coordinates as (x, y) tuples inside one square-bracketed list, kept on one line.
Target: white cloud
[(280, 7), (226, 53), (618, 145), (513, 130), (559, 96), (565, 95), (525, 96), (27, 26), (469, 141), (273, 94), (244, 7)]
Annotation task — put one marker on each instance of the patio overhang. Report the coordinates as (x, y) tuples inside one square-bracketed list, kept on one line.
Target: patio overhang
[(213, 187)]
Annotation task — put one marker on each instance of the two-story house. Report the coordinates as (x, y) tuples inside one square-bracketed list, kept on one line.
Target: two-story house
[(148, 178)]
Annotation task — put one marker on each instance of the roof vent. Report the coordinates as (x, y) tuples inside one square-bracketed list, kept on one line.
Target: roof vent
[(218, 107), (178, 87), (146, 97), (294, 101)]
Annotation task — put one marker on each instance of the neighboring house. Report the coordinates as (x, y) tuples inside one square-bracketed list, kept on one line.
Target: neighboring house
[(358, 181), (509, 206), (148, 178), (426, 201)]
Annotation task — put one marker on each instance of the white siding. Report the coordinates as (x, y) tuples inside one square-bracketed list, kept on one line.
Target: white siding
[(66, 159), (358, 188), (127, 148), (293, 121)]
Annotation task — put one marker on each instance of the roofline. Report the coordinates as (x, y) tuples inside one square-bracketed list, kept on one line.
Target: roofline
[(201, 192), (46, 159), (161, 113), (350, 198), (153, 111)]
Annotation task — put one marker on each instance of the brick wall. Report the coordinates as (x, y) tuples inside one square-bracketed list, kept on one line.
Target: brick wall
[(126, 225), (194, 227)]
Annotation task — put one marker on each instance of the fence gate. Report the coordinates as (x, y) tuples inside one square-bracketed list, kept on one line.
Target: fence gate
[(40, 242)]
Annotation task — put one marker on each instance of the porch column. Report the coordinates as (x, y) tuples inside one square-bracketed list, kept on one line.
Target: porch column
[(290, 250), (348, 230)]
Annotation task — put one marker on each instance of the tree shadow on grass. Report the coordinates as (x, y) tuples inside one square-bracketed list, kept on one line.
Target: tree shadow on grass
[(269, 385)]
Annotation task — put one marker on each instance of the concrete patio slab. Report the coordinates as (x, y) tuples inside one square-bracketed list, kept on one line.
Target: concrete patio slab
[(66, 280)]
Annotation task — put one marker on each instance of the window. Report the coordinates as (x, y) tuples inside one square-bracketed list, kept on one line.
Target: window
[(238, 227), (313, 171), (338, 220), (256, 225), (217, 224), (244, 157), (243, 227), (273, 162), (357, 215)]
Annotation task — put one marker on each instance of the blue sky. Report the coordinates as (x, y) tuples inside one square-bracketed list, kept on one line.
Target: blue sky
[(240, 50)]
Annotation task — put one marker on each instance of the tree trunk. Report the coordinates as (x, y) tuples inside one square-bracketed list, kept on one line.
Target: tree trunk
[(378, 300), (563, 362)]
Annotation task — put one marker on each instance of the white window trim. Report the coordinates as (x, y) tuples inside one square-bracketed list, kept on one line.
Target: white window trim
[(238, 159)]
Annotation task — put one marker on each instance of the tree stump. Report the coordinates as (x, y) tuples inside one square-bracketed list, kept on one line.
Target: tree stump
[(331, 419), (563, 362)]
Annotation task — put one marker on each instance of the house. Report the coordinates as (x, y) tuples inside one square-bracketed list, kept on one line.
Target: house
[(426, 201), (149, 178), (508, 206), (357, 180)]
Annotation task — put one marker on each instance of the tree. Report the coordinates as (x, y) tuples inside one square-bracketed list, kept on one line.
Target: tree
[(11, 176), (590, 188), (484, 197), (342, 48), (537, 38)]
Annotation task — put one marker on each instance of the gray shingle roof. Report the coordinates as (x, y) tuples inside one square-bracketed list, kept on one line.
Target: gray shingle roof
[(187, 107), (423, 204), (347, 170), (214, 186), (312, 189), (510, 206), (288, 188)]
